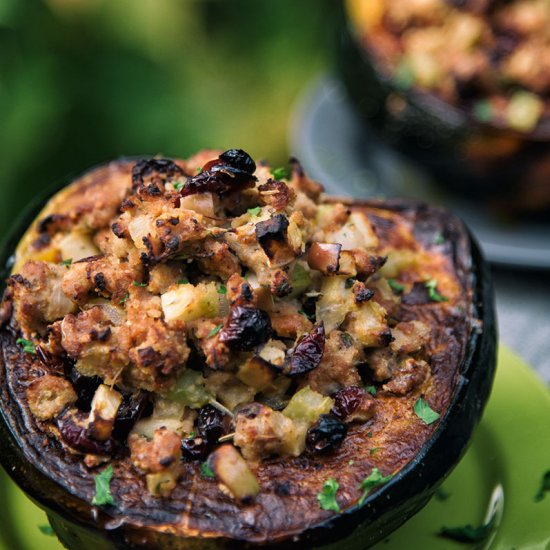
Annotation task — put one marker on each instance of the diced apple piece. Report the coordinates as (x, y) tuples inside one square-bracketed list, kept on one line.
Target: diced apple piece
[(188, 302), (335, 303), (104, 408), (232, 470), (369, 325), (256, 373), (76, 245)]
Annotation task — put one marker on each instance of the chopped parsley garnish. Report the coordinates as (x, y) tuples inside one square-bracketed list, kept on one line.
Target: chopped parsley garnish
[(433, 295), (103, 496), (214, 331), (369, 434), (281, 173), (483, 110), (398, 288), (199, 170), (425, 412), (327, 497), (403, 78), (191, 435), (46, 530), (544, 487), (179, 185), (371, 389), (125, 299), (137, 283), (369, 483), (255, 211), (351, 462), (222, 289), (67, 262), (439, 238), (373, 450), (467, 533), (183, 282), (441, 494), (28, 346), (206, 471)]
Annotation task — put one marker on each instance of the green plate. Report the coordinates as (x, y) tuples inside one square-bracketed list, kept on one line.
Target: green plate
[(498, 478)]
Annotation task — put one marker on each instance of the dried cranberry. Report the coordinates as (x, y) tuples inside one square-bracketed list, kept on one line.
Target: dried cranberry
[(134, 406), (74, 431), (326, 434), (85, 386), (195, 448), (231, 171), (210, 424), (239, 159), (346, 401), (308, 353), (245, 328)]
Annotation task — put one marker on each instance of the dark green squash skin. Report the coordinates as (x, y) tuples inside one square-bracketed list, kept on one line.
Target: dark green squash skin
[(438, 136), (82, 527)]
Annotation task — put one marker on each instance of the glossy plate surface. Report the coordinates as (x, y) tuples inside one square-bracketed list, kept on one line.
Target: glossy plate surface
[(335, 147), (498, 477)]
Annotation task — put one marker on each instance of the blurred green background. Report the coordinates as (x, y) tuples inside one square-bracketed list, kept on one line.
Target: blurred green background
[(84, 81)]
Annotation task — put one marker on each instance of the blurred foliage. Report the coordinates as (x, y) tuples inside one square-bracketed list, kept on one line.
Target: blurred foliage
[(84, 81)]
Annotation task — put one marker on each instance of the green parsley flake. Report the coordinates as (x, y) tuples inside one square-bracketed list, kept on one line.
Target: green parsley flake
[(433, 295), (374, 450), (403, 78), (544, 487), (369, 483), (425, 412), (28, 346), (467, 533), (103, 496), (327, 497), (351, 462), (214, 331), (206, 471), (46, 530), (255, 211), (179, 185), (66, 263), (191, 435), (222, 289), (439, 238), (371, 389), (398, 288), (369, 434), (483, 111), (125, 299), (183, 282), (281, 173), (137, 283)]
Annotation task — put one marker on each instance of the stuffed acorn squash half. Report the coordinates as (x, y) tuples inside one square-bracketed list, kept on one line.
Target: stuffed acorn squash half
[(213, 354)]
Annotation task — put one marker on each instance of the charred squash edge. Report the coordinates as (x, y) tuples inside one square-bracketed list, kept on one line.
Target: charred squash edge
[(357, 527)]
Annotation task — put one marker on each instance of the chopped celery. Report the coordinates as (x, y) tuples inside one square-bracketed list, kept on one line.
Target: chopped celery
[(307, 405), (189, 390), (300, 281)]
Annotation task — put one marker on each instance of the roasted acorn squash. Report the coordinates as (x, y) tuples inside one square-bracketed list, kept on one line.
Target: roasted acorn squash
[(399, 453), (466, 153)]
